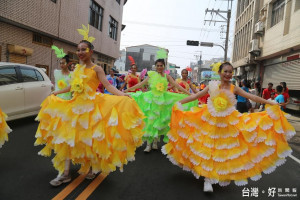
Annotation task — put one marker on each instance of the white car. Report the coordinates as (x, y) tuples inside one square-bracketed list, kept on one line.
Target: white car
[(22, 89), (294, 104)]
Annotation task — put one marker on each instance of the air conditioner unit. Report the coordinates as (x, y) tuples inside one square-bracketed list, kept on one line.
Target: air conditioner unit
[(259, 27), (254, 46)]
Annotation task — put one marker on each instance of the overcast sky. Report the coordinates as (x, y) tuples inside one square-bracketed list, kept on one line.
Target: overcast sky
[(170, 23)]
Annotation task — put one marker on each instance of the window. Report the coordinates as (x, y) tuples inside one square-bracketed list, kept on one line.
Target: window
[(29, 75), (8, 76), (118, 1), (277, 12), (96, 15), (44, 67), (39, 75), (43, 40), (113, 28)]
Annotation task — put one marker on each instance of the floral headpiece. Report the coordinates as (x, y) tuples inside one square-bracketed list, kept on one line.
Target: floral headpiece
[(216, 67), (161, 54), (85, 33), (59, 52), (132, 62)]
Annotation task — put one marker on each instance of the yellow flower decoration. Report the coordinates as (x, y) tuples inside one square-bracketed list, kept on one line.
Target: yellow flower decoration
[(85, 33), (160, 87), (77, 85), (61, 84), (216, 67), (220, 104)]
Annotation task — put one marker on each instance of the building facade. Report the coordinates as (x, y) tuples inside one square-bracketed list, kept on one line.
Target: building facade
[(29, 28), (247, 15), (273, 43), (120, 61), (143, 55)]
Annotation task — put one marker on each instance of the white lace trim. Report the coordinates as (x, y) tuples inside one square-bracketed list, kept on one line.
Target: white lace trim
[(285, 153), (98, 135), (209, 169), (182, 134), (192, 124), (290, 134), (241, 182), (231, 146), (272, 114), (199, 154), (259, 158), (256, 178), (222, 172), (195, 162), (172, 138), (224, 183)]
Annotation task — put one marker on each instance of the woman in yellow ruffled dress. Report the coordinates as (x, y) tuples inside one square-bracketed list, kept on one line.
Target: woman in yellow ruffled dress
[(4, 128), (98, 131), (221, 144)]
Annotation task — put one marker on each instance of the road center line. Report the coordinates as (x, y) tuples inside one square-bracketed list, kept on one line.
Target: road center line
[(91, 187), (295, 159), (65, 192)]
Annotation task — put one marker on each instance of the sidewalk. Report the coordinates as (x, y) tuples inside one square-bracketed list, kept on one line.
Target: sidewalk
[(295, 141), (295, 121)]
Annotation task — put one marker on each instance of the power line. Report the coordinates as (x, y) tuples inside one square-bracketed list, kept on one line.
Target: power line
[(167, 26)]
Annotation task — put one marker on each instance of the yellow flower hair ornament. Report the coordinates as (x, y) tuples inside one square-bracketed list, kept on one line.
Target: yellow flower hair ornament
[(216, 67), (85, 33)]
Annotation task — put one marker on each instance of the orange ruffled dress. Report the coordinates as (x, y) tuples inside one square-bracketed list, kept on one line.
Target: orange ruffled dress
[(221, 144), (92, 129), (4, 128)]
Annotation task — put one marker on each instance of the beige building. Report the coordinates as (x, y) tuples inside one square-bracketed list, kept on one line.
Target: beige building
[(29, 28), (267, 42)]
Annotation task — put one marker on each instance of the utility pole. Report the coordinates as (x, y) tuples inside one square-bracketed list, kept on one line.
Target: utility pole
[(225, 20), (199, 66)]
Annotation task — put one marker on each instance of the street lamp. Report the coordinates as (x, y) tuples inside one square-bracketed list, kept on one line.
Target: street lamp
[(210, 44)]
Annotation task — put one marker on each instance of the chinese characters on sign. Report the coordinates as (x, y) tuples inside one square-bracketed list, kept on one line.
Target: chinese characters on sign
[(271, 192)]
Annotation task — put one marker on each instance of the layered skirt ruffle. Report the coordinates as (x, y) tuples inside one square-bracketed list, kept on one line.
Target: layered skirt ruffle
[(233, 147), (100, 133), (157, 109), (4, 128)]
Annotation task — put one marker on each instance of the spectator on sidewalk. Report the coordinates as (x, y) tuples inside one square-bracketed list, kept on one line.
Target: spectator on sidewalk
[(285, 94), (280, 98), (255, 91), (267, 93), (242, 101)]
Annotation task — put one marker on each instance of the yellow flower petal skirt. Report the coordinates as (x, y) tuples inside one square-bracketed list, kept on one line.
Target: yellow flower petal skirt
[(4, 129), (228, 146), (92, 129)]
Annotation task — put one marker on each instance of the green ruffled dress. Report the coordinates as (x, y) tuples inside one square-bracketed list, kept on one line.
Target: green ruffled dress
[(157, 105), (61, 82)]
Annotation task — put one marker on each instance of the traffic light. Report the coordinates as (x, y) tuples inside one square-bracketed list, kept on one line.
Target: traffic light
[(192, 43)]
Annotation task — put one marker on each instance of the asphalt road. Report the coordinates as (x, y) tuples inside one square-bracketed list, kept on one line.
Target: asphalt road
[(26, 175)]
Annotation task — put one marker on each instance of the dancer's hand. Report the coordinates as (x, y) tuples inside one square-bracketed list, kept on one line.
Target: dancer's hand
[(54, 93), (127, 95), (272, 103)]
